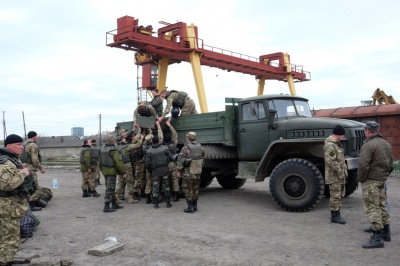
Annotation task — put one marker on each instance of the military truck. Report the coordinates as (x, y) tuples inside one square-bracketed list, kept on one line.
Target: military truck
[(271, 136)]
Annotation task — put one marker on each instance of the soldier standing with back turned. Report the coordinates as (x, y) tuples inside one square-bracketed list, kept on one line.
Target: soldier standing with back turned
[(335, 172), (190, 164), (88, 170)]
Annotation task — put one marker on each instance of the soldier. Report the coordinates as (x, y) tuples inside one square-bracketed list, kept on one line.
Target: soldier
[(144, 109), (121, 181), (170, 139), (335, 172), (157, 102), (88, 164), (111, 165), (96, 158), (375, 165), (133, 151), (189, 164), (157, 159), (16, 184), (32, 160), (178, 99)]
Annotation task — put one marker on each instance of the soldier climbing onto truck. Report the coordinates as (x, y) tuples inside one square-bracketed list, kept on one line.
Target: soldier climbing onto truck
[(177, 100)]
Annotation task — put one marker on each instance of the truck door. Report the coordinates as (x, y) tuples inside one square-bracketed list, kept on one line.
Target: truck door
[(253, 131)]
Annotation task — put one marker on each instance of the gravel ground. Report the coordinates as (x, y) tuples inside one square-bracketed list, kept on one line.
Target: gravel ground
[(231, 227)]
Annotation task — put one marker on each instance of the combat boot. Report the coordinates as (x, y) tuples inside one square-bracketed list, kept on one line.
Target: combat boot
[(33, 207), (148, 199), (336, 218), (107, 207), (41, 203), (117, 200), (136, 196), (156, 204), (115, 205), (121, 197), (86, 194), (95, 194), (176, 196), (376, 240), (386, 233), (130, 199), (189, 209), (368, 230), (168, 200), (194, 205)]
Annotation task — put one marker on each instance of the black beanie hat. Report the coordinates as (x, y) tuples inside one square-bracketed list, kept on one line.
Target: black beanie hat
[(155, 140), (12, 139), (31, 134), (338, 130)]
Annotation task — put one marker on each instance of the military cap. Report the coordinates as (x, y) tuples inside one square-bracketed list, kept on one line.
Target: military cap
[(141, 103), (372, 125), (110, 139), (191, 135), (122, 131)]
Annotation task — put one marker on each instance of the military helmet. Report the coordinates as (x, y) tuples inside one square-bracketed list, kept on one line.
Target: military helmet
[(175, 111), (110, 139)]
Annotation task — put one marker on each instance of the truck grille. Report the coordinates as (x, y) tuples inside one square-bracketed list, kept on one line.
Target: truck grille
[(360, 138)]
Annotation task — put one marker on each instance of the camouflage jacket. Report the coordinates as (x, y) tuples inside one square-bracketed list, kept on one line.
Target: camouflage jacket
[(32, 149), (10, 179), (118, 169), (335, 166), (376, 159), (87, 157), (171, 98), (188, 166)]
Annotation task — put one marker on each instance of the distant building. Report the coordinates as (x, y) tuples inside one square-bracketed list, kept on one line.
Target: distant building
[(77, 131)]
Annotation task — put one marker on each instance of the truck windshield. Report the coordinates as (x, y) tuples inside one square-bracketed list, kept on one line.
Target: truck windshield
[(289, 108)]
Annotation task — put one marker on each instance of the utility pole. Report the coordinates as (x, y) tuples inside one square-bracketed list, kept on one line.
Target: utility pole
[(4, 128), (100, 128), (23, 119)]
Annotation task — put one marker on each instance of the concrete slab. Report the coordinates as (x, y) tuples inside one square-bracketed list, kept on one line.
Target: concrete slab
[(106, 249), (23, 257)]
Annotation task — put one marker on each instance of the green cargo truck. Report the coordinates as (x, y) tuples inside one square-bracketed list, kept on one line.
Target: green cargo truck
[(271, 136)]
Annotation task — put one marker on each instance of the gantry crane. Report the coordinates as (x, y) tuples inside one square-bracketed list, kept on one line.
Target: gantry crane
[(179, 42)]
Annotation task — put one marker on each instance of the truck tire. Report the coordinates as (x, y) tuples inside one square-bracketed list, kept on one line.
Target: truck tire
[(205, 179), (230, 181), (351, 185), (296, 185)]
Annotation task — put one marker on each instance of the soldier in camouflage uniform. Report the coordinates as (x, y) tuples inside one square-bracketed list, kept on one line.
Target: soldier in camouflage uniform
[(179, 99), (32, 160), (96, 158), (111, 165), (88, 163), (171, 140), (189, 164), (157, 159), (121, 181), (13, 197), (335, 172), (375, 166), (144, 109), (130, 150), (157, 102)]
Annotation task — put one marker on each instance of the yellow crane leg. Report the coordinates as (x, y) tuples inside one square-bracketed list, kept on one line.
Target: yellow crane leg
[(196, 68), (162, 73), (289, 76), (261, 83)]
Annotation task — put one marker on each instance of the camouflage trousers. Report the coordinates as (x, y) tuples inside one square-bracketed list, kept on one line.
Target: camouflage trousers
[(337, 192), (158, 182), (88, 181), (139, 176), (189, 107), (9, 238), (126, 183), (96, 172), (190, 186), (374, 196), (121, 184), (110, 188), (149, 183), (36, 195), (173, 176)]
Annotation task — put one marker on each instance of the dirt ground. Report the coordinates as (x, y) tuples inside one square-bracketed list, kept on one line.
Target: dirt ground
[(231, 227)]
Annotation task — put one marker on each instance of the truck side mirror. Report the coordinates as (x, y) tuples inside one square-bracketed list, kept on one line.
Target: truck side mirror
[(271, 118)]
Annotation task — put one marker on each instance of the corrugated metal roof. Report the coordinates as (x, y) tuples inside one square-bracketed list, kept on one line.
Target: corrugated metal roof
[(359, 111)]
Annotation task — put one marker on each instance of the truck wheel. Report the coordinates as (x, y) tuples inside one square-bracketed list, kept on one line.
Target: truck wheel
[(205, 179), (351, 185), (296, 185), (230, 182)]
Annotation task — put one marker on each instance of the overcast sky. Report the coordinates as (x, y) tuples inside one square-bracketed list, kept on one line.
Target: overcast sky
[(55, 66)]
